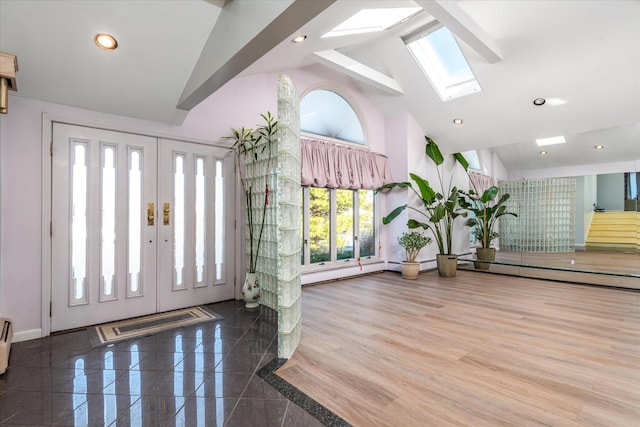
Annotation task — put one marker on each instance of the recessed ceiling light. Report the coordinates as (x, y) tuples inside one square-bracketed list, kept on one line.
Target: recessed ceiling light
[(599, 147), (543, 153), (299, 39), (457, 121), (106, 41), (551, 140), (539, 101)]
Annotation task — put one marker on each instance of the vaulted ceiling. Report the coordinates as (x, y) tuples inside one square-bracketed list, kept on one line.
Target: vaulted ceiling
[(174, 54)]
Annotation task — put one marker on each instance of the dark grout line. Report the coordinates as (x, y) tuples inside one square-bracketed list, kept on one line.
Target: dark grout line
[(313, 408)]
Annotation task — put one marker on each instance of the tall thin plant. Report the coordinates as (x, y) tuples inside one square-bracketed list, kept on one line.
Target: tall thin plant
[(250, 146)]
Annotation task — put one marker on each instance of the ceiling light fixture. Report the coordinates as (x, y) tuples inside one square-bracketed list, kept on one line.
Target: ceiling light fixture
[(551, 140), (457, 121), (299, 39), (543, 153), (599, 147), (106, 41), (539, 101)]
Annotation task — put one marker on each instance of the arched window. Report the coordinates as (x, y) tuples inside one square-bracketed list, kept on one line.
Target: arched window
[(338, 215), (325, 113)]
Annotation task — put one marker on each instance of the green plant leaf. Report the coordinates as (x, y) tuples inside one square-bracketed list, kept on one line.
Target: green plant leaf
[(438, 213), (490, 194), (393, 214), (393, 185), (426, 192), (412, 223), (463, 162), (433, 152)]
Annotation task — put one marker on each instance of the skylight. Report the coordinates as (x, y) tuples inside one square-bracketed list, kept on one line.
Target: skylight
[(473, 160), (371, 20), (441, 59), (550, 141)]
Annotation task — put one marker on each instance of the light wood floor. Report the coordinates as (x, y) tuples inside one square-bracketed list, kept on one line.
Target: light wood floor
[(475, 350)]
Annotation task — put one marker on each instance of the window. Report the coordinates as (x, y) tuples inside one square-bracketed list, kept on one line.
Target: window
[(319, 224), (372, 20), (325, 113), (338, 222), (338, 226), (438, 54), (473, 159)]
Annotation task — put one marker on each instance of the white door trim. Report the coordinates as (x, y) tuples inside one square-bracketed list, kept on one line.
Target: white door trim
[(46, 252)]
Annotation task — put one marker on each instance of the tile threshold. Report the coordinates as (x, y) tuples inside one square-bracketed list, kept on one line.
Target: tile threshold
[(311, 406)]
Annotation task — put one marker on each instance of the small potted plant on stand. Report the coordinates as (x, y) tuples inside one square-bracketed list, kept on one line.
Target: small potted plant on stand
[(412, 242)]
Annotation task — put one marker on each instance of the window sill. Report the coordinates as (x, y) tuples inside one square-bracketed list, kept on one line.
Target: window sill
[(338, 270)]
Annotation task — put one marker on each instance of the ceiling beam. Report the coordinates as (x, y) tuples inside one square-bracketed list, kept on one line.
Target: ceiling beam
[(449, 14), (219, 3), (242, 34), (349, 66)]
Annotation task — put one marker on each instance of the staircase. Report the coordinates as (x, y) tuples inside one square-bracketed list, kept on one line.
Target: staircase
[(614, 231)]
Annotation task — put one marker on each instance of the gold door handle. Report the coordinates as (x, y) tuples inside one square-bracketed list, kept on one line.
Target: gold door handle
[(166, 213), (150, 214)]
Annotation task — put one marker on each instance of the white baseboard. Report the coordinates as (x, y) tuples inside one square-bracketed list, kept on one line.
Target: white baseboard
[(27, 335)]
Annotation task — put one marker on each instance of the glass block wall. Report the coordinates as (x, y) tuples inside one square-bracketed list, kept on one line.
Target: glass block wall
[(261, 177), (275, 179), (546, 215), (288, 196)]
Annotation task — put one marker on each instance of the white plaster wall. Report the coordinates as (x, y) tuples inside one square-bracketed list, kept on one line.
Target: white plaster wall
[(579, 170), (419, 164), (396, 134), (237, 104), (21, 168)]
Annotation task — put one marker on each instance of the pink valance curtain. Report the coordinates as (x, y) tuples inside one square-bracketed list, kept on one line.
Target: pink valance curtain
[(480, 182), (328, 165)]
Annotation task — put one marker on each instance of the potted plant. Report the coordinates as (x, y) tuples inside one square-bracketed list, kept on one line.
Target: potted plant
[(412, 242), (486, 214), (440, 208), (251, 146)]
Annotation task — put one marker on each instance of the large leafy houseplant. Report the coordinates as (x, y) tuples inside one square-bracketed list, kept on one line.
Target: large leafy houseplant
[(250, 146), (438, 208), (486, 212)]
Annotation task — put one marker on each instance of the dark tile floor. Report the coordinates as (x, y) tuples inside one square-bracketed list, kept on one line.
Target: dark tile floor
[(203, 375)]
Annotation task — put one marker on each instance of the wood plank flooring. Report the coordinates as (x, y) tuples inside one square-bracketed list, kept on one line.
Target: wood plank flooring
[(474, 350)]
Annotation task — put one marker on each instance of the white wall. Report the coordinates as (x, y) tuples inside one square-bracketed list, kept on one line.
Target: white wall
[(579, 170), (404, 130), (237, 104), (611, 191), (21, 234)]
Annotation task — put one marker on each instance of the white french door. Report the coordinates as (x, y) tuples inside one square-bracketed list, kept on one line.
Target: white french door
[(192, 266), (138, 226)]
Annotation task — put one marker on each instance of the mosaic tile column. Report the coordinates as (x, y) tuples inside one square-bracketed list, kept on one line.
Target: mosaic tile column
[(288, 195)]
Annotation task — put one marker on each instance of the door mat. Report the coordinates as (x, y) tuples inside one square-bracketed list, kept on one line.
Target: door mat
[(113, 332)]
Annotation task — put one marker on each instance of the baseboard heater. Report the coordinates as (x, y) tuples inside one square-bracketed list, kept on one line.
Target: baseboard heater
[(5, 343)]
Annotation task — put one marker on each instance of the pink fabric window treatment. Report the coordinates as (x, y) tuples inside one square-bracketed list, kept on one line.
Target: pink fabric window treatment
[(480, 181), (329, 165)]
